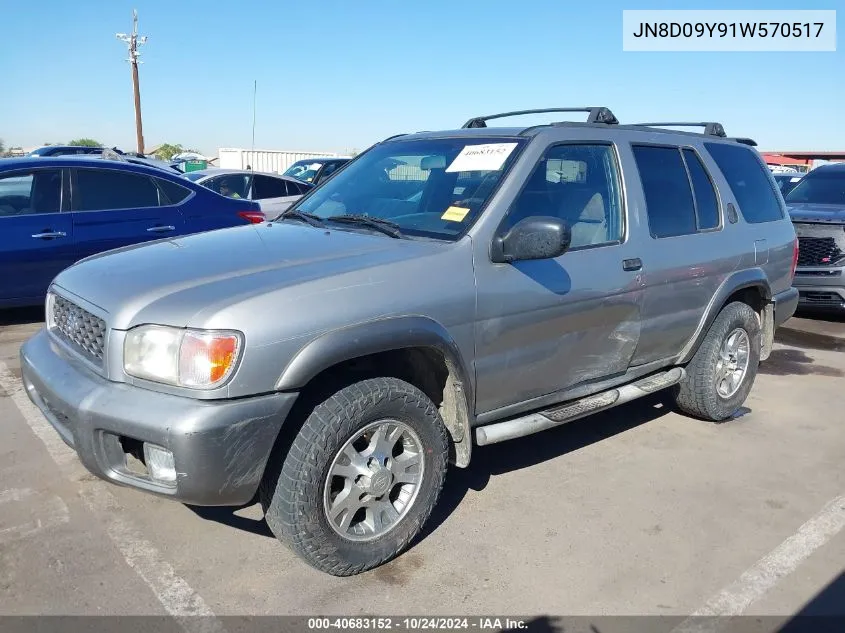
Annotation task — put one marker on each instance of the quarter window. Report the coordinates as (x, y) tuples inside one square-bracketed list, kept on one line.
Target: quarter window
[(580, 185), (748, 180), (102, 189), (173, 192)]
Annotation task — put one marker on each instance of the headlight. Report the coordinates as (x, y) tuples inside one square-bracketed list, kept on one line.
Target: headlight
[(198, 359)]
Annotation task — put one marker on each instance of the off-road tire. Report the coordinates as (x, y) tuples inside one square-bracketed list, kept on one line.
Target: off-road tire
[(697, 394), (292, 490)]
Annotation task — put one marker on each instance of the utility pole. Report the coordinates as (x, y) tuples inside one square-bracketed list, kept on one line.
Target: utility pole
[(133, 41)]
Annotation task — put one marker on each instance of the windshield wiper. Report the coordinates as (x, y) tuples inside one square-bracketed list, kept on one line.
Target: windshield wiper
[(385, 226), (310, 218)]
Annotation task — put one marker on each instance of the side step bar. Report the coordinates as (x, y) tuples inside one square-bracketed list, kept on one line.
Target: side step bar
[(569, 411)]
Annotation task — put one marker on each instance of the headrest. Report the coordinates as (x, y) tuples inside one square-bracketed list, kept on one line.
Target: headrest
[(433, 162)]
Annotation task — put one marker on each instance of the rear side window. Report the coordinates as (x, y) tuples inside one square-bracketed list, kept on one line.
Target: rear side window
[(748, 180), (706, 203), (668, 195), (98, 190), (174, 193), (264, 187)]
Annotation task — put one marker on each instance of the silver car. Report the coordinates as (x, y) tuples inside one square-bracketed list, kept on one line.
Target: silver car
[(272, 192)]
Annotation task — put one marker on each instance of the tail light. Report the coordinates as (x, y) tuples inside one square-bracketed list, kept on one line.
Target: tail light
[(253, 217), (794, 258)]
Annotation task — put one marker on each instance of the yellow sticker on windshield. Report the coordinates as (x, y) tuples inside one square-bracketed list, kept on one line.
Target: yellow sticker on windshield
[(454, 214)]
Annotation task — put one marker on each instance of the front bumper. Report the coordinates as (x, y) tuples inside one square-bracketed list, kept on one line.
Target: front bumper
[(220, 448), (821, 287)]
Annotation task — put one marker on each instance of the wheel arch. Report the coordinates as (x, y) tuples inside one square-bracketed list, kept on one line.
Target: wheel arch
[(750, 286), (404, 339)]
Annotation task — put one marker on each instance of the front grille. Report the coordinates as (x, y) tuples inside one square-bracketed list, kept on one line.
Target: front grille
[(818, 251), (77, 326)]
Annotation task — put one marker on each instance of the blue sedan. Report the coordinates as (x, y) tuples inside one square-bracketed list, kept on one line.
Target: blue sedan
[(55, 211)]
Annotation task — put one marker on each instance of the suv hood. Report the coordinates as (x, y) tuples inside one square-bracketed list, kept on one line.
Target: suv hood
[(171, 281), (817, 213)]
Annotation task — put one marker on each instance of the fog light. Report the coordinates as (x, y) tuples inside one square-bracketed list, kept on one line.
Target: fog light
[(159, 463)]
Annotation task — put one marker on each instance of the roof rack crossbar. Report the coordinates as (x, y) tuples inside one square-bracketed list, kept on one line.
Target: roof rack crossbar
[(596, 115), (711, 128)]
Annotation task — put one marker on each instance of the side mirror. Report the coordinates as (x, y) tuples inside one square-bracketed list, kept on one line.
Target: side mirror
[(537, 237)]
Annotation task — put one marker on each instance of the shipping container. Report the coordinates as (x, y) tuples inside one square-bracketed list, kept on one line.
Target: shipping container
[(267, 160)]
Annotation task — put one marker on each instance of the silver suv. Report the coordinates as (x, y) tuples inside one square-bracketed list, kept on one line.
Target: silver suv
[(443, 290)]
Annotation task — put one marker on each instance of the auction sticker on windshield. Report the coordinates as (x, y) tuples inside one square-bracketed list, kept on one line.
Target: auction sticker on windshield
[(454, 214), (487, 157)]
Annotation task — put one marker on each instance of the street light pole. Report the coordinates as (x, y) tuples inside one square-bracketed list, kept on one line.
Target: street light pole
[(133, 41)]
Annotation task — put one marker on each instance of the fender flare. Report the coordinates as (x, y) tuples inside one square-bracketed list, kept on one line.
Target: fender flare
[(389, 334), (738, 280)]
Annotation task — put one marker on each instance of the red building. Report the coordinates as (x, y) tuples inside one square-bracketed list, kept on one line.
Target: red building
[(802, 161)]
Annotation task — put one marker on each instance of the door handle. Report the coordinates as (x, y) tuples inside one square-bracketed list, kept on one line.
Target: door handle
[(161, 229), (48, 235), (632, 264)]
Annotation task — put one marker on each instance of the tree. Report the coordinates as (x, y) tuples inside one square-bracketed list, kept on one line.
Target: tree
[(166, 151), (85, 142)]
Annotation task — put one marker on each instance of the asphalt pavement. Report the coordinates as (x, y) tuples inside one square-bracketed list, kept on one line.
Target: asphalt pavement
[(638, 511)]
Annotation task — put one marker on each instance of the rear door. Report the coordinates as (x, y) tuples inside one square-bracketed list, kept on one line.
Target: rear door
[(273, 194), (689, 252), (114, 208), (36, 238)]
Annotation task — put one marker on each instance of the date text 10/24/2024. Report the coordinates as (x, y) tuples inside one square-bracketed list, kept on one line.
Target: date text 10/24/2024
[(416, 623)]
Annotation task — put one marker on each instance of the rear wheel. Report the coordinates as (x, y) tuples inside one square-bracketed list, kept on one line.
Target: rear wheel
[(361, 477), (722, 372)]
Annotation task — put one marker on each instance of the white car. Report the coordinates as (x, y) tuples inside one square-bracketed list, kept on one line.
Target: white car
[(272, 192)]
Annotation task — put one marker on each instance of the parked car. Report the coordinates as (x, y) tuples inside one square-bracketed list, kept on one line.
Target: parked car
[(817, 208), (55, 211), (786, 181), (272, 192), (67, 150), (315, 170), (334, 361)]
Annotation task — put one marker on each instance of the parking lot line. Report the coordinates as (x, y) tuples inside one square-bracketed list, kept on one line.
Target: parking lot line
[(768, 571), (174, 594)]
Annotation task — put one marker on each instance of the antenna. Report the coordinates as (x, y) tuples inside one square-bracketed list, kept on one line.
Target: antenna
[(133, 41)]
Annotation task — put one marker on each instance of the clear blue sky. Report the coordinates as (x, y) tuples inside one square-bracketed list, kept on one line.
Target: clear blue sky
[(336, 74)]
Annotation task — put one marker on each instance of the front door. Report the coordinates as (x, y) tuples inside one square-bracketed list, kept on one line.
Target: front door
[(36, 238), (114, 208), (548, 325)]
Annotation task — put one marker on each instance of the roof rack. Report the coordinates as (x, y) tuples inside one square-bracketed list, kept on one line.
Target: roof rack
[(746, 141), (711, 128), (596, 115)]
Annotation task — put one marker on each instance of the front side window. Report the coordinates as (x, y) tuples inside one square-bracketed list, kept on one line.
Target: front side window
[(820, 187), (749, 181), (578, 184), (230, 185), (28, 193), (415, 184), (103, 189)]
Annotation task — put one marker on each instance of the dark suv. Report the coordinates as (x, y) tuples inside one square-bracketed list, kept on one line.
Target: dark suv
[(817, 208), (444, 290)]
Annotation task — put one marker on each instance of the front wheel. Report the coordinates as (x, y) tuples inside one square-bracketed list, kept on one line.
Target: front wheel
[(720, 375), (361, 477)]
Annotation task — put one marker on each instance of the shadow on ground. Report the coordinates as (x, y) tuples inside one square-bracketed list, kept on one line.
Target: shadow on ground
[(498, 459), (20, 316), (791, 362)]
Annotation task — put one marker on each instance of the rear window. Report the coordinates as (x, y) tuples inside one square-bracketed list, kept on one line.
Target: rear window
[(821, 187), (668, 195), (749, 181)]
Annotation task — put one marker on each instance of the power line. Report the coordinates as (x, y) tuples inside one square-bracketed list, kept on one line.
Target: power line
[(133, 41)]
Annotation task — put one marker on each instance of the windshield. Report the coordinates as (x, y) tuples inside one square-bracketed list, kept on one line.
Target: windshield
[(429, 187), (822, 187), (304, 170), (787, 182)]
